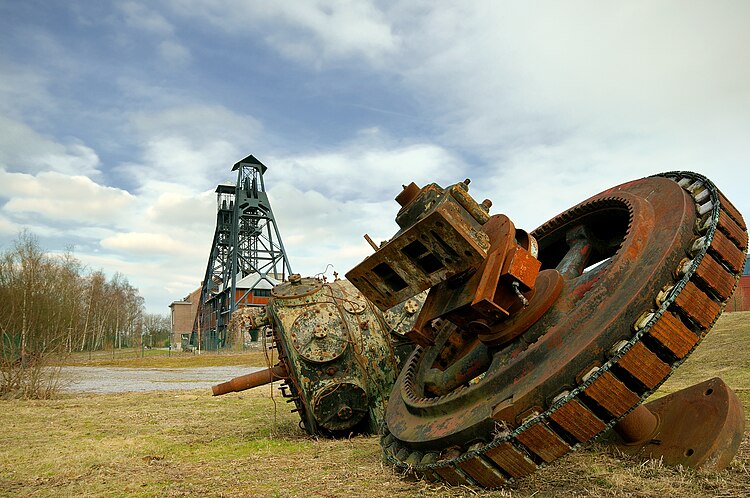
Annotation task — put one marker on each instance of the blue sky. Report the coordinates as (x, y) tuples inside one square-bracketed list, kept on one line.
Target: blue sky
[(118, 119)]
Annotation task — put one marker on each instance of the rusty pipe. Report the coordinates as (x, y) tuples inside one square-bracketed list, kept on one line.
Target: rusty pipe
[(251, 380), (638, 426)]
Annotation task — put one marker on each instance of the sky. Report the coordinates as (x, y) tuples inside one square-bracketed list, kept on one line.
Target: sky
[(118, 119)]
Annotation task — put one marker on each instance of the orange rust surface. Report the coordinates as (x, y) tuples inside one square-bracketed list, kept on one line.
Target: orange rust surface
[(715, 277), (450, 475), (644, 365), (521, 266), (697, 305), (577, 420), (732, 230), (671, 333), (732, 211), (543, 442), (482, 471), (725, 250), (511, 460), (611, 394)]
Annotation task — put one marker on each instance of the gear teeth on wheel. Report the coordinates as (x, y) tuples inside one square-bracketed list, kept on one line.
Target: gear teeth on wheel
[(697, 306), (732, 211), (483, 472), (672, 334), (511, 460), (687, 309), (543, 442), (727, 252), (611, 394), (715, 278), (451, 475), (578, 421), (644, 365), (732, 230)]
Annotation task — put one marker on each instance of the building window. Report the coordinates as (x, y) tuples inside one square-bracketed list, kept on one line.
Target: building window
[(262, 292)]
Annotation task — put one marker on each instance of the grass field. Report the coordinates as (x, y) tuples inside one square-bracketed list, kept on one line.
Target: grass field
[(187, 443), (160, 358)]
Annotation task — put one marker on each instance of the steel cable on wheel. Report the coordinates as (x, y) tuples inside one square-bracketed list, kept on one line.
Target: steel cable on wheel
[(647, 268)]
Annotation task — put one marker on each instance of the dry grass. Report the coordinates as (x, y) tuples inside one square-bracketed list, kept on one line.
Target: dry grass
[(135, 358), (187, 443)]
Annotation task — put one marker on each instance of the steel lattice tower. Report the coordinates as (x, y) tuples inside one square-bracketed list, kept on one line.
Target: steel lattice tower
[(246, 247)]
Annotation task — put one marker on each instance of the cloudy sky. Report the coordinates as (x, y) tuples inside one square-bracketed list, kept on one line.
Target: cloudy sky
[(118, 119)]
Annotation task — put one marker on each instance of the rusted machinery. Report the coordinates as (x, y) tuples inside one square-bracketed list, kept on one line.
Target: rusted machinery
[(338, 354), (531, 345)]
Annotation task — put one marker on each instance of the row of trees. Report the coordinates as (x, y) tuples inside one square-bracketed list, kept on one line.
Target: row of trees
[(51, 305)]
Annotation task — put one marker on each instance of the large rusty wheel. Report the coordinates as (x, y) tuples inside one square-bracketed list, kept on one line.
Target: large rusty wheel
[(646, 270)]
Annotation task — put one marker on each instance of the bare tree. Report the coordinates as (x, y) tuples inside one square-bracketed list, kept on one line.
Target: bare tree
[(50, 305)]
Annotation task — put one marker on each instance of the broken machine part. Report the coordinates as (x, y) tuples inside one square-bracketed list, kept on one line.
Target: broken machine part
[(338, 355), (533, 344)]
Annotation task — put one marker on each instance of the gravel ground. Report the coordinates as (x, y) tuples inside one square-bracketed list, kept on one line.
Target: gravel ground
[(117, 380)]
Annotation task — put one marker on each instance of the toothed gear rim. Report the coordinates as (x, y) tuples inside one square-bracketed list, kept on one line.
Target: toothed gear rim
[(694, 246)]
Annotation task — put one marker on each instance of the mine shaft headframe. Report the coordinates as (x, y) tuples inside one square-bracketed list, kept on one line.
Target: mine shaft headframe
[(488, 398), (480, 268)]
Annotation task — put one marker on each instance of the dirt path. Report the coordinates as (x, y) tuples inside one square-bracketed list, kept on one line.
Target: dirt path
[(114, 380)]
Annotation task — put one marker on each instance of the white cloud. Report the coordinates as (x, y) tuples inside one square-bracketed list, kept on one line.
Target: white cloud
[(312, 31), (503, 71), (559, 101), (174, 53), (317, 230), (182, 211), (59, 197), (22, 88), (8, 227), (144, 19), (365, 171), (141, 17), (190, 145), (541, 106), (143, 243), (325, 203), (23, 149)]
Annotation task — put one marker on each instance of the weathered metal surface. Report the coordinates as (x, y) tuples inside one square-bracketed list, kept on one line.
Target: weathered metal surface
[(701, 427), (338, 354), (439, 238), (255, 379), (478, 405)]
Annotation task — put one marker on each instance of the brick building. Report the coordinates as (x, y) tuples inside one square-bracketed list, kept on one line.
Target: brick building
[(740, 301), (183, 316)]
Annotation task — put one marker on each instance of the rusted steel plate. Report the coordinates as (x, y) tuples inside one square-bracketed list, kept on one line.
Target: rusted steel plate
[(577, 420), (336, 388), (511, 460), (617, 254), (713, 276), (483, 472), (732, 230), (451, 475), (732, 211), (673, 334), (697, 306), (644, 365), (544, 443), (727, 252), (611, 394)]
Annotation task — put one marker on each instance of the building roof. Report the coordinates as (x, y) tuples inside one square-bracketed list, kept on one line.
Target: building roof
[(254, 281)]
